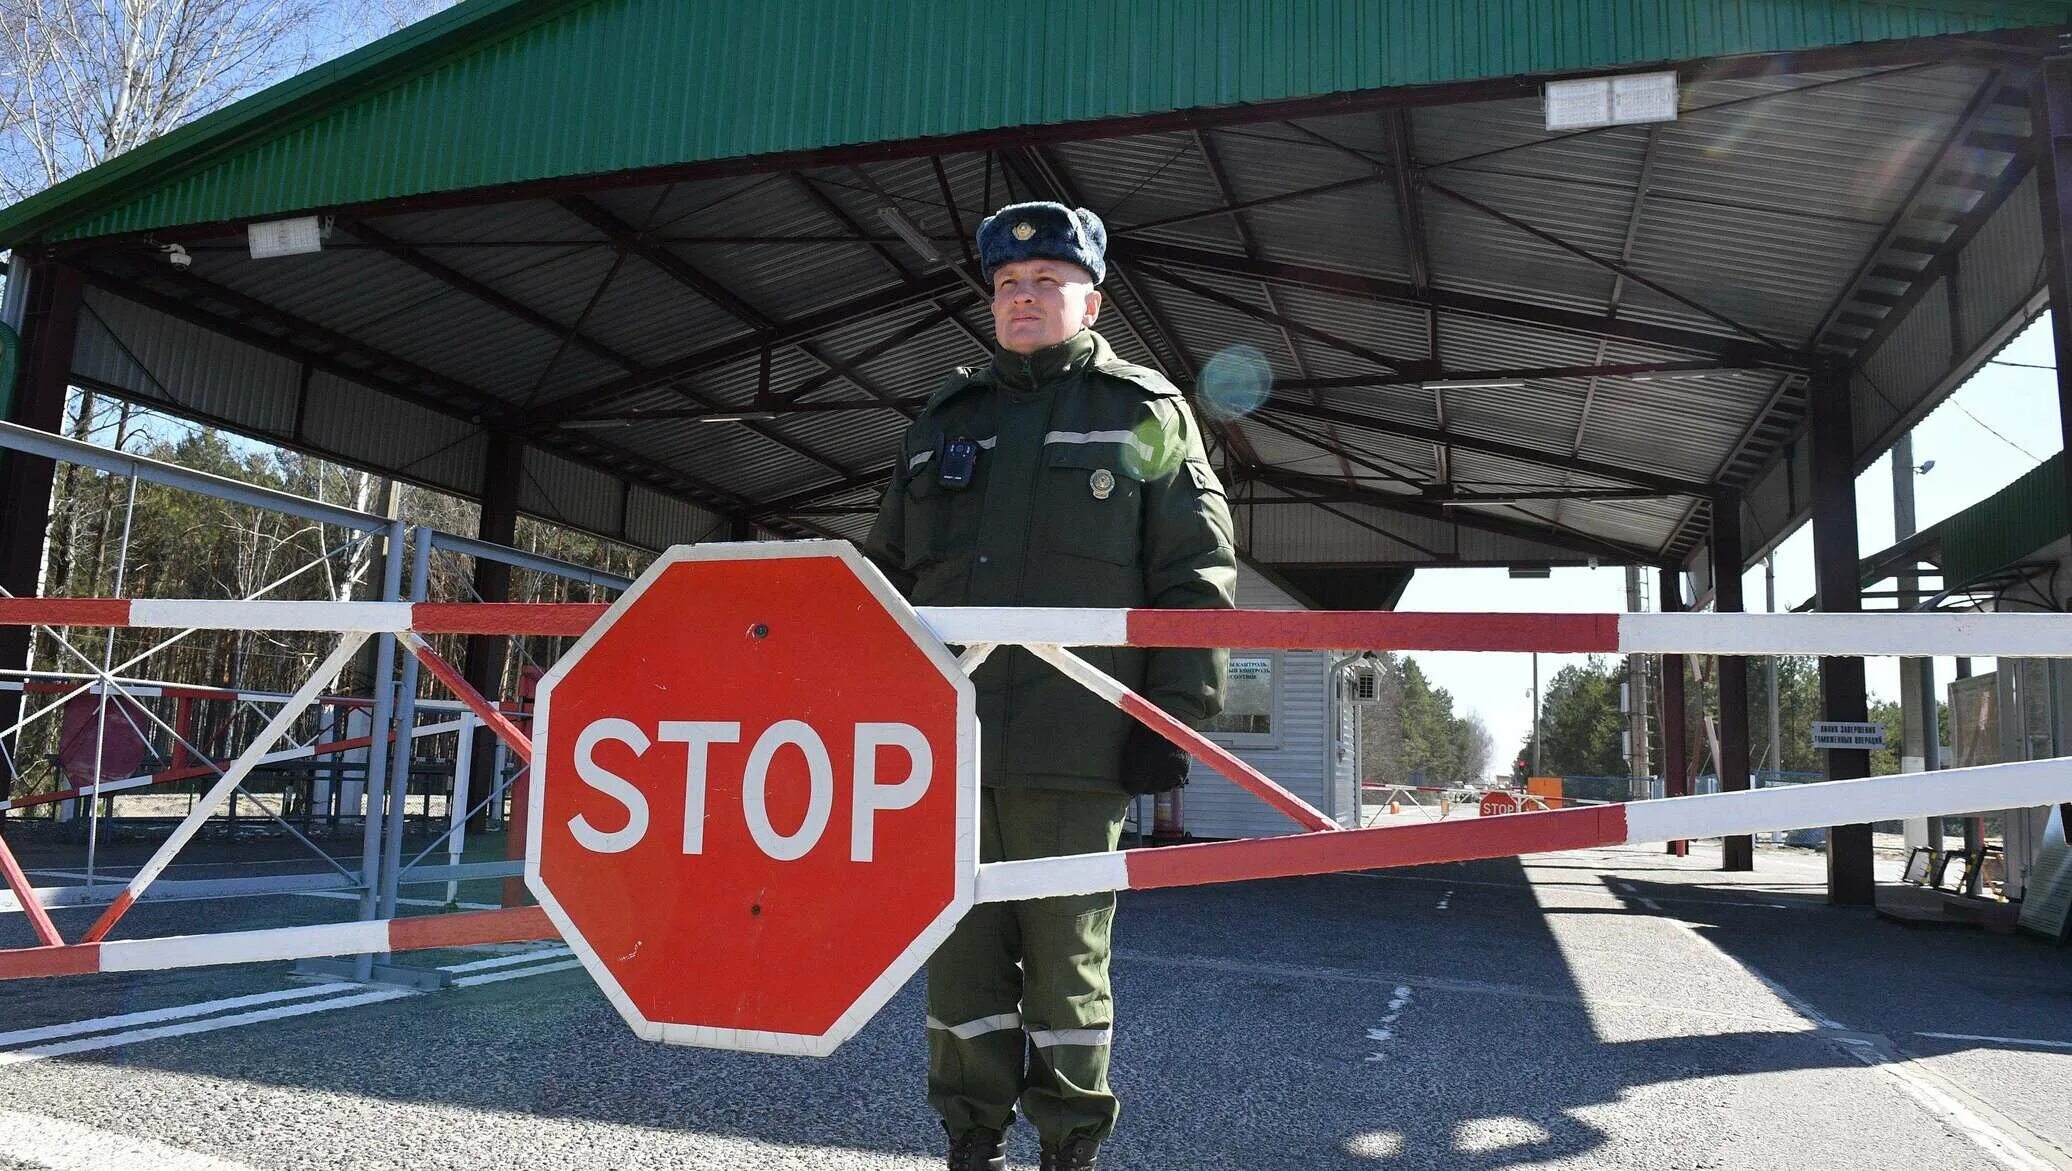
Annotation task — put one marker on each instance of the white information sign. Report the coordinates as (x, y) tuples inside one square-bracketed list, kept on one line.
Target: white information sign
[(1837, 734)]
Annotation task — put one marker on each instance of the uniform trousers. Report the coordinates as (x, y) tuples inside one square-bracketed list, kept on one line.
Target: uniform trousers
[(1019, 1008)]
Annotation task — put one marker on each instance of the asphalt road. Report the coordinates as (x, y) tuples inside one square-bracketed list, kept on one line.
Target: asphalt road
[(1602, 1009)]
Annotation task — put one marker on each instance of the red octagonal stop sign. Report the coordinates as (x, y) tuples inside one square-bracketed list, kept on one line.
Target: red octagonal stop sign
[(755, 796)]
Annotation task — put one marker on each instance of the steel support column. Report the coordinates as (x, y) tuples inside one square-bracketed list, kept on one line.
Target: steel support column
[(2051, 131), (1838, 590), (1675, 775), (504, 473), (1738, 852), (2050, 110), (50, 324)]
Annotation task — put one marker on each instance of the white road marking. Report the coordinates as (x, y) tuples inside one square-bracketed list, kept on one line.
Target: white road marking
[(1527, 886), (1445, 899), (1941, 1099), (518, 974), (129, 1036), (505, 961), (401, 902), (1513, 992), (2032, 1042), (1385, 1032), (63, 1145), (110, 1041), (1633, 892), (176, 1012)]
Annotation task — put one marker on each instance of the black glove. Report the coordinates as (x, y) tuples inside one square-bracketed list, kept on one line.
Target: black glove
[(1151, 763)]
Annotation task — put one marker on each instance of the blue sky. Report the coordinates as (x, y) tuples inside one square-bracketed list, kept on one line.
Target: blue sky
[(1997, 426)]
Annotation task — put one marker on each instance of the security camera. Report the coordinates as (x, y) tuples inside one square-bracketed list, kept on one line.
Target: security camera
[(177, 254)]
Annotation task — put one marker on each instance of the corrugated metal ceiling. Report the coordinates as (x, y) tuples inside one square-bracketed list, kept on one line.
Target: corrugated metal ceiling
[(1761, 204)]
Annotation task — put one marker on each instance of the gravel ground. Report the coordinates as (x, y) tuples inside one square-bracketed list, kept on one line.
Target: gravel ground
[(1614, 1009)]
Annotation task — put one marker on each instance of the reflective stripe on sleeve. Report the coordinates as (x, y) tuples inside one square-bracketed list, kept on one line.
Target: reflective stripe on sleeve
[(979, 1027), (1077, 437)]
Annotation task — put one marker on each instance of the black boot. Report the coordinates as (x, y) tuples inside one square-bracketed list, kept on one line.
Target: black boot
[(1072, 1153), (978, 1149)]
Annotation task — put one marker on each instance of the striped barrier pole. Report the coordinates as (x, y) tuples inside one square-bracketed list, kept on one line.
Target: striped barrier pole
[(1890, 798), (206, 806), (1955, 791), (457, 683), (1201, 747), (368, 937), (18, 882), (190, 772), (1904, 635)]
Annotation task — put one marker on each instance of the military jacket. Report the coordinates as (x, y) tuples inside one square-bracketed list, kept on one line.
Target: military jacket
[(1091, 488)]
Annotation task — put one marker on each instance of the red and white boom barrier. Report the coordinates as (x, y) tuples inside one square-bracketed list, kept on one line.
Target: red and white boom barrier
[(1954, 791), (2033, 636), (739, 630)]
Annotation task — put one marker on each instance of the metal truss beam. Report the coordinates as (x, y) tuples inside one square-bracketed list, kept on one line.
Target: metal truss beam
[(1234, 431), (1975, 113), (1565, 538), (784, 333), (1624, 271), (607, 457), (1395, 292), (1667, 485), (1643, 371), (1280, 320), (634, 243)]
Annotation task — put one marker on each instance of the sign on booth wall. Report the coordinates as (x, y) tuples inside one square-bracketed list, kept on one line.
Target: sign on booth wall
[(1841, 734)]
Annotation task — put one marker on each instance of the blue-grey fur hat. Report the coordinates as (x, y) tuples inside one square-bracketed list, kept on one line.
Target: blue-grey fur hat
[(1047, 231)]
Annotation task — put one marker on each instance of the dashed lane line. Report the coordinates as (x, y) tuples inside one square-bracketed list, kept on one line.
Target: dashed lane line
[(1386, 1031), (1513, 992)]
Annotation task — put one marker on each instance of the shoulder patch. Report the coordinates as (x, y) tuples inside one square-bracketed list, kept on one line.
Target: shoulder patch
[(1142, 377)]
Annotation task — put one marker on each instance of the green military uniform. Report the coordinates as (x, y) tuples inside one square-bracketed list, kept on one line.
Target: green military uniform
[(1091, 488)]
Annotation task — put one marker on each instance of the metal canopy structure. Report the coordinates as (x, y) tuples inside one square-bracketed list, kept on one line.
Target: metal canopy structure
[(570, 279)]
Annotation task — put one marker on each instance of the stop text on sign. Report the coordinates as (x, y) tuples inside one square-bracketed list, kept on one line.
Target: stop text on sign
[(870, 794)]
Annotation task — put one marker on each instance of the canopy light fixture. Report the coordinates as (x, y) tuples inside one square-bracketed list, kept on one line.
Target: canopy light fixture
[(1473, 383), (904, 228), (608, 422), (285, 237), (1588, 102)]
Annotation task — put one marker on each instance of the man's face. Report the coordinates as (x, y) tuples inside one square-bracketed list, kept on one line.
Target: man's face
[(1038, 303)]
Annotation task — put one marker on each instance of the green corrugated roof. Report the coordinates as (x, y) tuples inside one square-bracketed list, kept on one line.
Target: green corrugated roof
[(508, 91), (2006, 527)]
